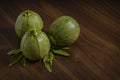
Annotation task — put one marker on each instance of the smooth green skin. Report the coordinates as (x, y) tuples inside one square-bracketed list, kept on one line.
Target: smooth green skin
[(28, 20), (35, 45), (64, 31)]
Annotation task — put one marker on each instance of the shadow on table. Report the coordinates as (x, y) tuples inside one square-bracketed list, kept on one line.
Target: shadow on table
[(8, 41)]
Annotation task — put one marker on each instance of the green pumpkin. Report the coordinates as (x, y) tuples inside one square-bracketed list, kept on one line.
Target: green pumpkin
[(35, 45), (64, 31), (28, 20)]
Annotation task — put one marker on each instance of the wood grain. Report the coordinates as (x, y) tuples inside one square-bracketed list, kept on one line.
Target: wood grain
[(94, 56)]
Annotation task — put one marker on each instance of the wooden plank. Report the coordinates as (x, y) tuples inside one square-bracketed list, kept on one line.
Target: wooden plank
[(94, 56)]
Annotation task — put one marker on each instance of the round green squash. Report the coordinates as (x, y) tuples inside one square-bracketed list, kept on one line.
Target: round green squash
[(64, 31), (28, 20), (35, 45)]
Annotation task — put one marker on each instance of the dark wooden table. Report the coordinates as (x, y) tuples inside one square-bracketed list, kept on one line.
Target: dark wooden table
[(94, 56)]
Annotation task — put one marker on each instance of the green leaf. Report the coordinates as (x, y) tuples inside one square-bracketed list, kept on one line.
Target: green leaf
[(13, 52), (48, 61), (61, 52), (16, 58), (24, 62)]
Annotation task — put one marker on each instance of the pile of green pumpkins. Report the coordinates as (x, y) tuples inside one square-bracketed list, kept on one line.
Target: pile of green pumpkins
[(36, 44)]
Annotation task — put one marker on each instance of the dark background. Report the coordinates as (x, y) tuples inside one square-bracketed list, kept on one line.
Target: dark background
[(94, 56)]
